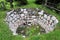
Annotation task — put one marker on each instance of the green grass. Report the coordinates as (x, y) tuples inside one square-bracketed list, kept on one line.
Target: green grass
[(6, 34)]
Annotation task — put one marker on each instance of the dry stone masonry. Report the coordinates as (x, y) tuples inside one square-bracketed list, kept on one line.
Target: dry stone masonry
[(29, 16)]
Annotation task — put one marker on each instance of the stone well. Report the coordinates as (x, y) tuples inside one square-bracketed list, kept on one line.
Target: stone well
[(26, 17)]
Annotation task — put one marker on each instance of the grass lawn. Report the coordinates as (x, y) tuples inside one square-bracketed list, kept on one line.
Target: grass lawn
[(6, 34)]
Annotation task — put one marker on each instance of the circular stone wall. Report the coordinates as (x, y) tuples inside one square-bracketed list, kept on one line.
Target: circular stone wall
[(22, 18)]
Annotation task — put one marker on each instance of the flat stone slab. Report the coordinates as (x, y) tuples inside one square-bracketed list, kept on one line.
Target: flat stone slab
[(30, 16)]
